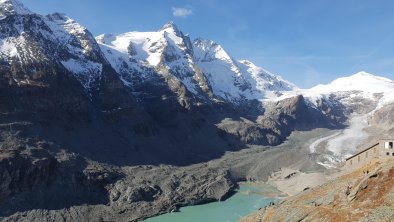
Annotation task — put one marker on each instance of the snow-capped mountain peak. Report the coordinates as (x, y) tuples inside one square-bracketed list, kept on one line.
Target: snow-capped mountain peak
[(144, 47), (106, 38), (265, 80), (37, 42), (201, 65), (69, 24), (362, 73), (171, 27), (235, 80), (12, 7), (208, 50), (361, 81), (365, 76)]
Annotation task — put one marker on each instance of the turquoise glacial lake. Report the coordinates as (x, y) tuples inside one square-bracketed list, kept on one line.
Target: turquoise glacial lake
[(248, 199)]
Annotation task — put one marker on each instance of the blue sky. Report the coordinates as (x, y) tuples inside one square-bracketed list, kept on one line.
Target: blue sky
[(305, 41)]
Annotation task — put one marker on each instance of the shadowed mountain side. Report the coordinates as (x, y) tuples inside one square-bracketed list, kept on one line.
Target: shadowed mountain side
[(32, 177), (155, 130)]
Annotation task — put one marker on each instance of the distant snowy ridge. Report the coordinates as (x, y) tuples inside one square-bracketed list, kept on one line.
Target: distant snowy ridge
[(361, 81), (233, 79), (228, 79), (367, 85), (361, 84)]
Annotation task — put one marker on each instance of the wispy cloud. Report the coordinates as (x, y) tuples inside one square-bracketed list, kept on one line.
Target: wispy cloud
[(181, 12)]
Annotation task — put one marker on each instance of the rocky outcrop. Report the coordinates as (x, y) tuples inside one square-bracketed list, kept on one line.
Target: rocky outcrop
[(383, 118), (34, 177), (295, 113), (24, 170)]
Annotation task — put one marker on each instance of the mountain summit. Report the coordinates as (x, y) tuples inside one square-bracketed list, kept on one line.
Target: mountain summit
[(202, 66), (361, 81), (171, 27), (12, 7)]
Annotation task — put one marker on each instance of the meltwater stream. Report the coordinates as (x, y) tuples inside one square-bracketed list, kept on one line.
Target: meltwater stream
[(248, 199)]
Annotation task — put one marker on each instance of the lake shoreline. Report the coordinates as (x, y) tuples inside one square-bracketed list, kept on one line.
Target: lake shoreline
[(250, 196), (254, 165)]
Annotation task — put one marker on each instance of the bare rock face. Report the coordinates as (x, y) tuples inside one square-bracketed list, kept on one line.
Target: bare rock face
[(294, 113), (275, 123), (249, 132), (384, 118), (34, 177), (24, 171)]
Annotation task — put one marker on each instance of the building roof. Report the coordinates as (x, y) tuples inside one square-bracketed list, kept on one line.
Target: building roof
[(362, 151)]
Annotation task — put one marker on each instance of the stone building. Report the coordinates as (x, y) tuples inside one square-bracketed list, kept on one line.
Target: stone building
[(383, 149)]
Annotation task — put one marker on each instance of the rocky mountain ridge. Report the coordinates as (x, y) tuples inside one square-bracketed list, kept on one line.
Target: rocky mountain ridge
[(202, 66)]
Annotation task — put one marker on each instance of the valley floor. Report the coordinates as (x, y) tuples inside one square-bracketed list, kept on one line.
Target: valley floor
[(149, 190), (272, 164), (146, 191)]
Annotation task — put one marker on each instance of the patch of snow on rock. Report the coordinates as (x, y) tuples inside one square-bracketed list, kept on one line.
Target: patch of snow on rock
[(86, 71)]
